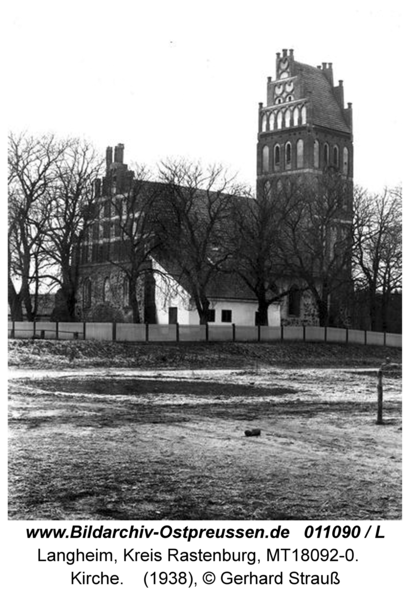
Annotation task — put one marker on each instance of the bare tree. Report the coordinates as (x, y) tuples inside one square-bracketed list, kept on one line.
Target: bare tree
[(69, 209), (31, 163), (378, 250), (196, 208), (255, 242)]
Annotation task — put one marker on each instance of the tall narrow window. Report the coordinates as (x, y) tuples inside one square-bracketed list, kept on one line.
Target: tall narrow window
[(272, 121), (126, 291), (277, 157), (326, 154), (316, 154), (336, 156), (106, 290), (295, 116), (279, 120), (345, 161), (287, 118), (264, 123), (288, 155), (265, 159), (299, 154), (267, 188), (303, 115), (87, 293)]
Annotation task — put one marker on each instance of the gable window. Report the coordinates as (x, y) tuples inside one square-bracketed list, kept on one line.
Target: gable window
[(226, 316)]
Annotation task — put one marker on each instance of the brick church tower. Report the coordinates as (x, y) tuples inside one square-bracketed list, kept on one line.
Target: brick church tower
[(305, 143), (304, 127)]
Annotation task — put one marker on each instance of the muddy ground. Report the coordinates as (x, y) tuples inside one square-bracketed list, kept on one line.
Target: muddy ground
[(168, 443)]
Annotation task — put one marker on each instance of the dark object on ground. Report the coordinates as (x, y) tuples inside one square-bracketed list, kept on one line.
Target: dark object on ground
[(252, 432)]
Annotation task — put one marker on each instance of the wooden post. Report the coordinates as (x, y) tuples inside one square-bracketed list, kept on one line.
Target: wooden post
[(380, 396), (13, 329), (365, 337), (206, 332), (304, 333), (56, 330), (147, 332), (347, 335), (325, 333), (281, 333), (177, 331), (84, 330), (114, 331), (233, 332)]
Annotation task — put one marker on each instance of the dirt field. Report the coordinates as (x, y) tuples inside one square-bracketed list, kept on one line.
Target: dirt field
[(167, 443)]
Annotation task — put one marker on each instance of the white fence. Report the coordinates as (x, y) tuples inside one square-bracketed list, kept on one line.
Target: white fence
[(132, 332)]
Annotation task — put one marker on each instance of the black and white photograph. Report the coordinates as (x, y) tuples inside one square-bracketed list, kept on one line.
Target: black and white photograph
[(204, 276)]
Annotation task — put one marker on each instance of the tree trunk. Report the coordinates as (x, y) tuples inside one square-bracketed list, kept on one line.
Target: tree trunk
[(136, 318), (16, 310), (263, 308)]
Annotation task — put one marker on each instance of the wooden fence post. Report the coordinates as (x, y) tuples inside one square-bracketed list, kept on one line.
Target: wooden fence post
[(347, 335), (177, 331), (114, 331), (233, 332), (84, 330), (147, 332), (13, 329), (206, 332), (56, 330), (380, 396)]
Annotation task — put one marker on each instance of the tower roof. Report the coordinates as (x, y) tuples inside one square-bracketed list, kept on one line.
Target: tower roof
[(326, 111)]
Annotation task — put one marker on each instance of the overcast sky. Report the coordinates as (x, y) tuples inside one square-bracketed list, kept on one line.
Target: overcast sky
[(184, 78)]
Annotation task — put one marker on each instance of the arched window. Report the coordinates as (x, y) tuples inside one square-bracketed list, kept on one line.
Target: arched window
[(287, 118), (277, 157), (288, 155), (264, 123), (126, 291), (299, 154), (87, 293), (303, 115), (290, 98), (267, 188), (265, 159), (316, 154), (279, 120), (106, 290), (326, 154), (345, 161), (295, 116), (272, 121), (278, 101), (294, 301), (336, 156)]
